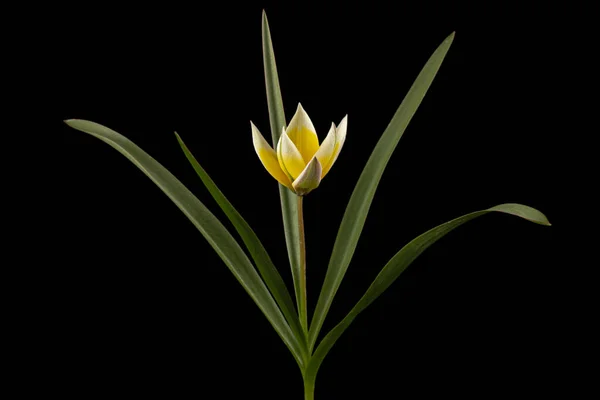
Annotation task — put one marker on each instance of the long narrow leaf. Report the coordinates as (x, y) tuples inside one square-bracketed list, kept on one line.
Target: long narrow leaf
[(260, 256), (401, 261), (210, 227), (289, 204), (360, 201)]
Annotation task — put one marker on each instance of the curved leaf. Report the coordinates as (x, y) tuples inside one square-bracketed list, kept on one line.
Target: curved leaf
[(360, 201), (400, 262), (260, 256), (210, 227)]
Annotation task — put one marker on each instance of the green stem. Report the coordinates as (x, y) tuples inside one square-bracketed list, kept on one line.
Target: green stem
[(302, 308), (309, 384), (309, 389)]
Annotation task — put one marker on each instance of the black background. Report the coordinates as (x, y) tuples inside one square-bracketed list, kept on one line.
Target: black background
[(135, 301)]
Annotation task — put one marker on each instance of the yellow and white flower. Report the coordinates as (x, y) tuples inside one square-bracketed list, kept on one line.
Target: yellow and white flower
[(298, 162)]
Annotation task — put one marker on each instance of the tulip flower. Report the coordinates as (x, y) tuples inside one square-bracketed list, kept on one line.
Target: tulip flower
[(299, 162)]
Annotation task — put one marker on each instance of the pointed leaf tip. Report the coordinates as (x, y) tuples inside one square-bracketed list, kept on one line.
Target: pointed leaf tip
[(529, 213)]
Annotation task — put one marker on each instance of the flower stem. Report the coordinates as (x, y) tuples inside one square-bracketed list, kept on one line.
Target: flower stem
[(309, 389), (302, 308)]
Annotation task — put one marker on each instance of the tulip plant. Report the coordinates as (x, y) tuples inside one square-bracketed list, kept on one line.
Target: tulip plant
[(299, 163)]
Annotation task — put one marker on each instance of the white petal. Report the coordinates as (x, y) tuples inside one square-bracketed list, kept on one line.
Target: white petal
[(309, 179), (289, 157), (340, 139), (325, 152)]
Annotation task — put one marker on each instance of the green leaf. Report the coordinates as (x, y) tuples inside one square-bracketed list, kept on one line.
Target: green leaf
[(210, 227), (400, 262), (360, 201), (260, 256), (289, 202), (274, 100)]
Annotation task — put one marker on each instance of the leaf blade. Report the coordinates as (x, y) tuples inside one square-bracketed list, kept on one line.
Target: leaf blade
[(362, 196), (401, 260), (289, 202), (208, 225), (261, 258)]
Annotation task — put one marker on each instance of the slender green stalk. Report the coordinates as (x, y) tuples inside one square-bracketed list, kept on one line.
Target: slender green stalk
[(302, 302), (309, 384), (309, 388)]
